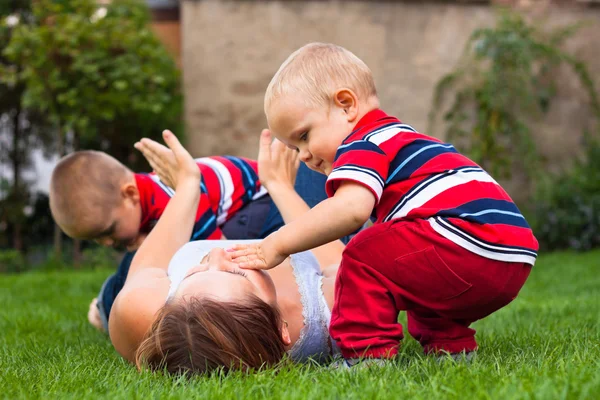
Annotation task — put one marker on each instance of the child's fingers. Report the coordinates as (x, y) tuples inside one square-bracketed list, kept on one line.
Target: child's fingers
[(279, 147), (250, 258), (264, 151), (253, 264), (237, 247), (239, 251)]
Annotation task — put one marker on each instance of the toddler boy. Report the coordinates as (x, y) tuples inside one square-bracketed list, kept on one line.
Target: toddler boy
[(449, 246)]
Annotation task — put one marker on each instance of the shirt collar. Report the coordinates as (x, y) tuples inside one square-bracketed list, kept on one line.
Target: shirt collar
[(367, 119)]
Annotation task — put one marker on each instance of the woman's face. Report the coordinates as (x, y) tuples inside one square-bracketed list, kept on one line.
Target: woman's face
[(220, 278)]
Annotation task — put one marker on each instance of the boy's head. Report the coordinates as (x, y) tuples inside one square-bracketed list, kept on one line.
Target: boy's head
[(316, 98), (93, 196)]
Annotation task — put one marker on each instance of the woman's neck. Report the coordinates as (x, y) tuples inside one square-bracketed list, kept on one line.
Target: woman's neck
[(288, 298)]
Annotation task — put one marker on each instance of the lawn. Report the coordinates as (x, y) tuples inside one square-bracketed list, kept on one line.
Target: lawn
[(545, 345)]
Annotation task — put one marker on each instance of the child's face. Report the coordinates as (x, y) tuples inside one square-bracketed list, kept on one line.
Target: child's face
[(315, 133), (122, 229)]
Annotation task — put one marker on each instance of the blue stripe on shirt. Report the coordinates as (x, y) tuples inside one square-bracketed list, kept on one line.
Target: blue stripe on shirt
[(358, 145), (487, 211), (205, 226), (413, 156), (249, 177)]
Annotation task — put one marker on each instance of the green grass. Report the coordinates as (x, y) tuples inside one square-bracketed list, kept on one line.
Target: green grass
[(545, 345)]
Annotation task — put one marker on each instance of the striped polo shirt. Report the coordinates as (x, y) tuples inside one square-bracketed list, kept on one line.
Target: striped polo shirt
[(413, 175), (227, 184)]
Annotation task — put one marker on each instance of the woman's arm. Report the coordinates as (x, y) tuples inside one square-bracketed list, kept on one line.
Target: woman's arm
[(175, 225), (277, 167), (147, 283)]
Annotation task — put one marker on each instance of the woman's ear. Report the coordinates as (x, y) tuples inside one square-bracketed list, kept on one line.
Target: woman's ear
[(285, 333), (347, 100)]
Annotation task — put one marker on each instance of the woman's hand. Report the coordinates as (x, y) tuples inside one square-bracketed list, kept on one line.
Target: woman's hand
[(173, 165), (277, 164)]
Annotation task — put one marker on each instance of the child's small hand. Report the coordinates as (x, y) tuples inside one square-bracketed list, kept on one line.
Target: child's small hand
[(173, 165), (277, 164), (256, 256)]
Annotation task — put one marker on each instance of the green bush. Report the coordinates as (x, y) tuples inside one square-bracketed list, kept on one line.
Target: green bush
[(11, 261), (501, 87), (99, 257), (567, 212)]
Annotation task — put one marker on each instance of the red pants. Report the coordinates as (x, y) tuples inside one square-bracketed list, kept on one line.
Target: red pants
[(406, 265)]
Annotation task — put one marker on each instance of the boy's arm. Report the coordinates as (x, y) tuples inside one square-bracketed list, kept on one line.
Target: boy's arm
[(293, 208), (340, 215), (333, 218), (277, 168)]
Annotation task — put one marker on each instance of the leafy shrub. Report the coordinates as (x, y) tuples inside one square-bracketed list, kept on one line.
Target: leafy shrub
[(504, 80), (99, 257), (567, 213), (11, 261)]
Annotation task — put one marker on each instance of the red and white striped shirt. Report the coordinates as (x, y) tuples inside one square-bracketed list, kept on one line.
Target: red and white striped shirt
[(413, 175), (228, 184)]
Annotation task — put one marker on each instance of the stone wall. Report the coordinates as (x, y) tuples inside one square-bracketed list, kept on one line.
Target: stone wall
[(231, 49)]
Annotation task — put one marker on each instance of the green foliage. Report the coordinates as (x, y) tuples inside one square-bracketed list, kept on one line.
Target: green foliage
[(21, 129), (11, 261), (567, 211), (97, 75), (503, 83), (97, 72), (99, 257)]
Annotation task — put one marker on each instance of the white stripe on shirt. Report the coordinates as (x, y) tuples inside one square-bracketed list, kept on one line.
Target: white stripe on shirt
[(437, 187), (360, 175), (227, 187), (506, 254), (170, 192), (386, 134)]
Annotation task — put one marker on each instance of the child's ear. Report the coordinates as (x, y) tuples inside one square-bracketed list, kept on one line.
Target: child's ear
[(130, 191), (347, 100)]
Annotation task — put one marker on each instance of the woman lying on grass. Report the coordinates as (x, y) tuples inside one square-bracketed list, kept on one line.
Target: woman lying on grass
[(188, 308)]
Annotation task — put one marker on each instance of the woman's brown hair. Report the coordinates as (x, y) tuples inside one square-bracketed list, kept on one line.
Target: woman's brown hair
[(198, 335)]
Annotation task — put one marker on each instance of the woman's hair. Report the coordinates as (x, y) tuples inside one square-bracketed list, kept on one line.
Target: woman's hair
[(199, 335)]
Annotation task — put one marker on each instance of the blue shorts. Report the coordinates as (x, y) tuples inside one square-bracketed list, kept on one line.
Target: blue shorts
[(256, 220)]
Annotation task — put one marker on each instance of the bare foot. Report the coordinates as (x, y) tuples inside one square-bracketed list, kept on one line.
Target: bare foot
[(94, 316)]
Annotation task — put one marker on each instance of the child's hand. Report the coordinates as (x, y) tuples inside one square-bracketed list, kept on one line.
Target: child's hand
[(277, 164), (173, 165), (257, 256)]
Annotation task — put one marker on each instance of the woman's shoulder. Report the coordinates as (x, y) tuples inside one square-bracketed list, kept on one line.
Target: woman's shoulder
[(135, 308)]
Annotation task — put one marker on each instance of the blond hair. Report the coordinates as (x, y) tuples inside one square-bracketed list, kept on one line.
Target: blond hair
[(84, 188), (316, 71)]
